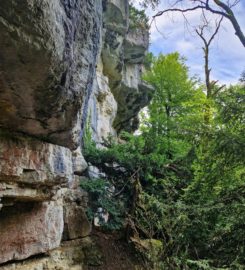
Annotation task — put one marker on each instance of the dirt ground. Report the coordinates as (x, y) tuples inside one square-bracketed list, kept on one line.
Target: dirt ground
[(116, 253)]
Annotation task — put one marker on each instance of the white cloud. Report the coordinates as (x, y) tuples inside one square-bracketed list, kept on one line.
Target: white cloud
[(227, 55), (184, 47)]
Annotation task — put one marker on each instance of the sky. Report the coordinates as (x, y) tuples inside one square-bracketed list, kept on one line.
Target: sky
[(170, 33)]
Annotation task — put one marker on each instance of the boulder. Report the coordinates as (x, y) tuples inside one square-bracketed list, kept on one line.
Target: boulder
[(76, 222)]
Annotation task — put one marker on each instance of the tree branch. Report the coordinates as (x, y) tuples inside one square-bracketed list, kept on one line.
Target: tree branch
[(230, 15), (216, 30), (207, 42), (177, 9), (204, 5)]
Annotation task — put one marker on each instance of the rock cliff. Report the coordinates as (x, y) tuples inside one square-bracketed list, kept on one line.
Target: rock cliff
[(61, 62)]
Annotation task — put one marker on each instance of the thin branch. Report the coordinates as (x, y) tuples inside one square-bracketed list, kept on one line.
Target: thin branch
[(216, 30), (225, 11), (207, 42), (178, 9), (218, 90), (129, 179), (230, 15)]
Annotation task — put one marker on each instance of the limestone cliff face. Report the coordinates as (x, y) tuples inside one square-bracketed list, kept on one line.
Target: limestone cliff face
[(60, 61), (48, 52), (119, 92)]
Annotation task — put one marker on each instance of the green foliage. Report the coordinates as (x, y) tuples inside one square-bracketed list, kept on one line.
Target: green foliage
[(148, 61), (180, 183), (218, 185), (101, 197), (138, 18), (242, 79), (152, 3), (175, 114)]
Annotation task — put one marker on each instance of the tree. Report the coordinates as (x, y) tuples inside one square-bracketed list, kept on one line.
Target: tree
[(212, 89), (170, 115), (182, 210), (210, 85), (242, 79), (214, 6)]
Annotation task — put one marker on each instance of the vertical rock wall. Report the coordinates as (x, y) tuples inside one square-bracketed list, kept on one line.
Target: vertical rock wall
[(60, 61), (41, 203), (48, 55), (48, 52), (119, 92)]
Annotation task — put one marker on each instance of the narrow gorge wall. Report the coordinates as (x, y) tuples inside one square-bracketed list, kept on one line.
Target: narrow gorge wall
[(60, 61)]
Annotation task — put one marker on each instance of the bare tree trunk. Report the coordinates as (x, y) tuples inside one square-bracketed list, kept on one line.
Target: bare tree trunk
[(211, 90)]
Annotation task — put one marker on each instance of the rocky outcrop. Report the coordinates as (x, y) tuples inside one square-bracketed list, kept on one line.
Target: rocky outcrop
[(60, 61), (40, 198), (103, 107), (119, 92), (48, 52), (132, 95), (34, 163), (71, 255), (75, 220)]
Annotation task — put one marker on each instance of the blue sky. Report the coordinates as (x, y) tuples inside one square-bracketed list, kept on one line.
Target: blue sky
[(227, 54)]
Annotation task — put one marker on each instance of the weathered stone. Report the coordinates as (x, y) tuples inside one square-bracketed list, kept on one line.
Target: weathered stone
[(12, 192), (76, 222), (122, 54), (131, 95), (48, 55), (79, 163), (95, 173), (71, 255), (136, 44), (115, 22), (116, 15), (103, 108), (29, 228), (77, 195), (75, 184), (26, 160), (112, 57), (48, 52)]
